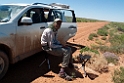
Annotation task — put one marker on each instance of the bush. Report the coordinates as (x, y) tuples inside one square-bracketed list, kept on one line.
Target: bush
[(117, 43), (102, 32), (92, 35), (121, 29), (97, 62), (88, 49), (118, 76), (94, 46), (112, 60), (103, 48), (100, 42), (117, 39)]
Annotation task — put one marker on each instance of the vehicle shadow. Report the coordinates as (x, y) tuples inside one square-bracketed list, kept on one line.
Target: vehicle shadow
[(28, 69)]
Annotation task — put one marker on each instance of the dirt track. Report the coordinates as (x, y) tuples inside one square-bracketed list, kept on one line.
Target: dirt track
[(27, 71)]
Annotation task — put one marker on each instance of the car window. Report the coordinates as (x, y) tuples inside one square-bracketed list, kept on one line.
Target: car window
[(65, 15), (68, 17), (36, 14), (53, 14)]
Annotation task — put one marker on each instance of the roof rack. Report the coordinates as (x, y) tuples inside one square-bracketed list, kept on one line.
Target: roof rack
[(40, 4), (60, 5), (54, 5)]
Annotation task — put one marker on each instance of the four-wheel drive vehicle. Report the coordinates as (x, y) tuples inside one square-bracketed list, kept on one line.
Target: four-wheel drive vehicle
[(21, 27)]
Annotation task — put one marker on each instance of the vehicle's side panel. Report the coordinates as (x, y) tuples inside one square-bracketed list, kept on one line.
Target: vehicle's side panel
[(7, 37), (67, 31), (28, 36)]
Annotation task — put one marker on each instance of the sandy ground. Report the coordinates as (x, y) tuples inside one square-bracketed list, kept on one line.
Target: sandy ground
[(28, 70)]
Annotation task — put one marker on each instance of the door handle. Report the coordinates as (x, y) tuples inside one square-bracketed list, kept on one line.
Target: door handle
[(72, 27), (42, 27)]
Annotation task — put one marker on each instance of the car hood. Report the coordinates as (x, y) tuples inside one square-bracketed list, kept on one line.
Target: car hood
[(2, 24)]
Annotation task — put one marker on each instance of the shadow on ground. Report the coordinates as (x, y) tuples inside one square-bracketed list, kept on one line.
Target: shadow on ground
[(28, 69), (92, 76)]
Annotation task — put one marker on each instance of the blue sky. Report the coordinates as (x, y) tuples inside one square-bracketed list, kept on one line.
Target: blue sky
[(111, 10)]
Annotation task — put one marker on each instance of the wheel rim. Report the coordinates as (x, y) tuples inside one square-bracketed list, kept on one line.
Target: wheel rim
[(1, 64)]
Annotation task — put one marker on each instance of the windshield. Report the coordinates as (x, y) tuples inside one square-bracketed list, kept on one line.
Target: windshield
[(8, 11)]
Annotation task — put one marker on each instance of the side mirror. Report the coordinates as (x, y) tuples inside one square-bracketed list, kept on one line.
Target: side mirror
[(26, 21)]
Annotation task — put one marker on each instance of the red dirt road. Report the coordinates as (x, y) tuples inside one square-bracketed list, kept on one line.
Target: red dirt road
[(83, 31)]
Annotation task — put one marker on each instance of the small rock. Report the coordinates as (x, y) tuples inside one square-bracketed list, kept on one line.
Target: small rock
[(111, 64), (110, 55)]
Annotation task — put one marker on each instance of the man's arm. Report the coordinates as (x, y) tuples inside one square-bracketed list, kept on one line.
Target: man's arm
[(51, 41), (44, 38)]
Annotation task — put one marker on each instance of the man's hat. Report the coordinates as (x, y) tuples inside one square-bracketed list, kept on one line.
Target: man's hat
[(57, 19)]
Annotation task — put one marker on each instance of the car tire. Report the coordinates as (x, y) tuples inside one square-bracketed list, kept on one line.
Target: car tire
[(4, 64)]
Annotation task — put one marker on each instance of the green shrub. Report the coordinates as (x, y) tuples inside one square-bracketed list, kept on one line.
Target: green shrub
[(117, 39), (117, 49), (99, 42), (118, 75), (92, 35), (112, 32), (102, 32), (106, 27), (93, 46), (88, 49), (112, 60), (120, 27), (103, 48)]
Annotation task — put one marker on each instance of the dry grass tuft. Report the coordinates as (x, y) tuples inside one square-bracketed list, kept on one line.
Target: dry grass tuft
[(97, 62)]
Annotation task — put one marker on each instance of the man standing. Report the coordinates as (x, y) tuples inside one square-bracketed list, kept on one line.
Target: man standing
[(49, 40)]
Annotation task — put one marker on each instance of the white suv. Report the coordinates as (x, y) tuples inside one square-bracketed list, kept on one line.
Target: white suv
[(21, 27)]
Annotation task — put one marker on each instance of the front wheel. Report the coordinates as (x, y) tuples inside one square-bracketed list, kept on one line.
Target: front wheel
[(4, 64)]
